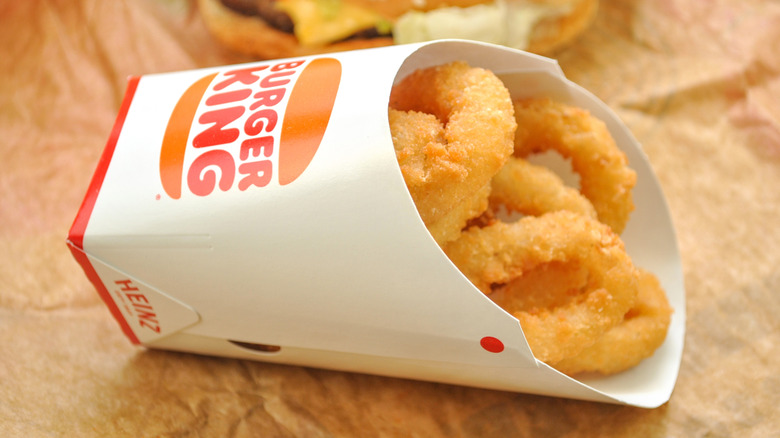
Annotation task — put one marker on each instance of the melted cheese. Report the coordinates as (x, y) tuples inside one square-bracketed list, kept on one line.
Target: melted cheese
[(319, 22), (505, 22)]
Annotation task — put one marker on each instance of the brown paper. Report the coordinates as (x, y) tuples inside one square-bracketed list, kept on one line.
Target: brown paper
[(697, 82)]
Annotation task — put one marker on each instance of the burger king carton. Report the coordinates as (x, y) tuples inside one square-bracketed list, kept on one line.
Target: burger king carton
[(257, 211)]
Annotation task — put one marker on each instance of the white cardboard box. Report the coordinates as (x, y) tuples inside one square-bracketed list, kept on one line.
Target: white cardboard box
[(258, 211)]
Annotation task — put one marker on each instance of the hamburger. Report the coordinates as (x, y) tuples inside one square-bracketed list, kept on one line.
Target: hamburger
[(269, 29)]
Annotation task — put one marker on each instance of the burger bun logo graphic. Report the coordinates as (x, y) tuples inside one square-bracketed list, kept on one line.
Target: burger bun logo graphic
[(244, 128)]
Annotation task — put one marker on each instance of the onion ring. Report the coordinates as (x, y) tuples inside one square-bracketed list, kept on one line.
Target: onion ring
[(449, 227), (447, 166), (501, 252), (562, 269), (605, 178), (533, 190), (547, 286), (640, 334)]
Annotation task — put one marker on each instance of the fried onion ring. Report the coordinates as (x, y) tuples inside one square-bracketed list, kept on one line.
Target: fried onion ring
[(562, 269), (547, 286), (605, 178), (640, 334), (449, 227), (416, 137), (533, 190), (501, 252), (453, 129)]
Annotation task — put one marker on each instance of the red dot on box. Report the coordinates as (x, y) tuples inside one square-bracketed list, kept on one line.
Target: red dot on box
[(492, 344)]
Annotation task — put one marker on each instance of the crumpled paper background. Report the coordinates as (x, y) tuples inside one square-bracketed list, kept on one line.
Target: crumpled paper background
[(697, 82)]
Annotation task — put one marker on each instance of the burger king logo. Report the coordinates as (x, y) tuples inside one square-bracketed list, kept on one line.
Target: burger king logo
[(244, 128)]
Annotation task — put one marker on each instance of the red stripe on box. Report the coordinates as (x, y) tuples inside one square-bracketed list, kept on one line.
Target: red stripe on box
[(79, 227), (76, 234), (94, 278)]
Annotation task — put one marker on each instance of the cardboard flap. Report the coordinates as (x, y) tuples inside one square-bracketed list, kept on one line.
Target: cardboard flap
[(144, 313)]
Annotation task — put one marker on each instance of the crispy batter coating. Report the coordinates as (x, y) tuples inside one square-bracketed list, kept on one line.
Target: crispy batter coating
[(561, 269), (501, 252), (453, 129), (547, 286), (605, 177), (532, 190), (641, 333)]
